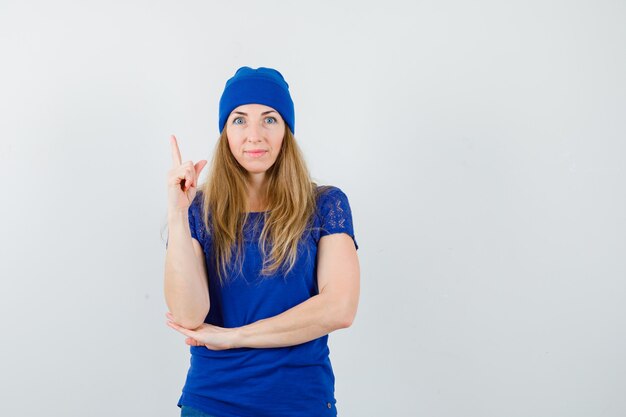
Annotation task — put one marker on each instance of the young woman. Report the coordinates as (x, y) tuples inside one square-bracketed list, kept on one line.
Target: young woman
[(261, 263)]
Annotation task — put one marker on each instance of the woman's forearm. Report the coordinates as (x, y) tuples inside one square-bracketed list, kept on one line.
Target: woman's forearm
[(185, 287), (311, 319)]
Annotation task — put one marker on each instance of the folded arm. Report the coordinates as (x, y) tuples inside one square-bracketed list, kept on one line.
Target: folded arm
[(334, 308)]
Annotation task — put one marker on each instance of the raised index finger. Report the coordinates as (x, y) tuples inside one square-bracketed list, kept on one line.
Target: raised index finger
[(175, 152)]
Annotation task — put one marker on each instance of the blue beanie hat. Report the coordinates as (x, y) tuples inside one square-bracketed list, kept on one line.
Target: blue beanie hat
[(259, 86)]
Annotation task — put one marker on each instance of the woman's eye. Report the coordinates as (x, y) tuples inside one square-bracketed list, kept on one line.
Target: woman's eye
[(271, 118), (236, 119)]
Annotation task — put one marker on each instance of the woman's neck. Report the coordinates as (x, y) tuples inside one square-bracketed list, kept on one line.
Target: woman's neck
[(256, 193)]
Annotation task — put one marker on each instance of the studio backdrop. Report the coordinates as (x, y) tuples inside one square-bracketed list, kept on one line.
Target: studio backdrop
[(480, 144)]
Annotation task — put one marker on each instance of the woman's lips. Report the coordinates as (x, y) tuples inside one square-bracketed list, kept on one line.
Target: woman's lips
[(255, 154)]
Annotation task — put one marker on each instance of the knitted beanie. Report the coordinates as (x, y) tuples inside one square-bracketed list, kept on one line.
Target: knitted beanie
[(259, 86)]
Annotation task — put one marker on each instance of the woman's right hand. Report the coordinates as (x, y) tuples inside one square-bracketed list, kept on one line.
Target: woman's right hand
[(182, 180)]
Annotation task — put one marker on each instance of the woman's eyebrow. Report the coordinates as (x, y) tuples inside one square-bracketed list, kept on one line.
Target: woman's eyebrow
[(265, 112)]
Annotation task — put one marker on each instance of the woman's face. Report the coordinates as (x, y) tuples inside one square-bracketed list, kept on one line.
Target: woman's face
[(255, 127)]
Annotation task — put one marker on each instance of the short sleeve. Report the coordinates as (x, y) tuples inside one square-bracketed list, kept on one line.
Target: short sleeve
[(195, 221), (336, 215)]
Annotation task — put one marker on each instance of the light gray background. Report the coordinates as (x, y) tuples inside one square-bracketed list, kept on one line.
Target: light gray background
[(481, 145)]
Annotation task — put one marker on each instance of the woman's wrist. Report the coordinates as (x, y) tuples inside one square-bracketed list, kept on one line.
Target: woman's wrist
[(177, 213), (236, 337)]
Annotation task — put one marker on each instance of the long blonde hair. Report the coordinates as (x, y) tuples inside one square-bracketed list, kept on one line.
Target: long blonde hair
[(290, 196)]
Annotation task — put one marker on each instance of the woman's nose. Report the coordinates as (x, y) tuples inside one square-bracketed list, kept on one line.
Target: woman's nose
[(254, 132)]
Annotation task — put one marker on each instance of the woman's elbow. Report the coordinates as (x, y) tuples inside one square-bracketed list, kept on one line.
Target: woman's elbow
[(346, 318), (190, 322), (347, 321)]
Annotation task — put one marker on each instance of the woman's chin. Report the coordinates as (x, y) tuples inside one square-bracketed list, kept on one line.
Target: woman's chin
[(256, 170)]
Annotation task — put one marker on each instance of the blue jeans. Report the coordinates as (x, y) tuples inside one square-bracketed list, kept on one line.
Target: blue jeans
[(186, 411)]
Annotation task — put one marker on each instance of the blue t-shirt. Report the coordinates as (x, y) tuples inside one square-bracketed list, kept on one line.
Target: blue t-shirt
[(292, 381)]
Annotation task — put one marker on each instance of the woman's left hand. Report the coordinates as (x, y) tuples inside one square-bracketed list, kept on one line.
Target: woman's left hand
[(209, 335)]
